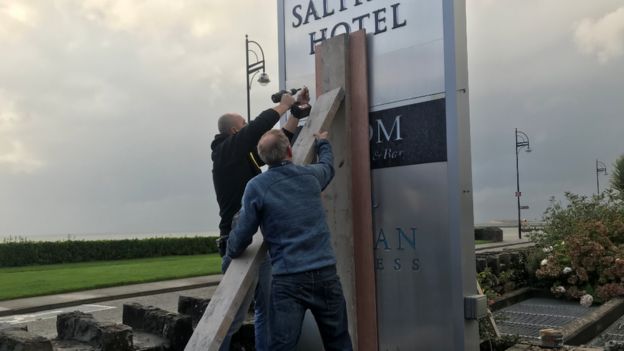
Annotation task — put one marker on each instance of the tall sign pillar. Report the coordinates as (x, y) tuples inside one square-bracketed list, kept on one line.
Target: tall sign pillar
[(420, 157)]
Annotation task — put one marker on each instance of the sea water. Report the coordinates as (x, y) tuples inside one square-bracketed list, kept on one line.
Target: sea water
[(101, 236)]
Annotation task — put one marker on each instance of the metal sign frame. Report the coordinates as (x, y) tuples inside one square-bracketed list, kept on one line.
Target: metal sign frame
[(436, 256)]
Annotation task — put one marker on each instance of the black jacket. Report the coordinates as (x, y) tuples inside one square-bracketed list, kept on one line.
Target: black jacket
[(235, 161)]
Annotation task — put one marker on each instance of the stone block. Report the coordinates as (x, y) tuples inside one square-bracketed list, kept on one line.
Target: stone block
[(193, 307), (18, 339), (174, 327), (481, 264), (493, 264), (494, 234), (84, 328), (505, 259), (150, 342)]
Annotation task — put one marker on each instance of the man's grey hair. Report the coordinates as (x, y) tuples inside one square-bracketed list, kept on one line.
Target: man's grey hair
[(273, 147), (225, 123)]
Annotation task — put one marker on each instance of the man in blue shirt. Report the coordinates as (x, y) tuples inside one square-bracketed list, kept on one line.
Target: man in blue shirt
[(235, 162), (285, 202)]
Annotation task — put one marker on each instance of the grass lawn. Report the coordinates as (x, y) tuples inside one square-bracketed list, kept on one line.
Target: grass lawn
[(479, 242), (28, 281)]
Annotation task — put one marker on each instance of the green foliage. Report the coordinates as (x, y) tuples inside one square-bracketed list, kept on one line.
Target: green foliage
[(582, 247), (24, 253), (488, 282), (617, 175), (532, 264), (496, 285)]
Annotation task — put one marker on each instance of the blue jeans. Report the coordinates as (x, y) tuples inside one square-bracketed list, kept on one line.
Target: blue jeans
[(261, 296), (320, 292)]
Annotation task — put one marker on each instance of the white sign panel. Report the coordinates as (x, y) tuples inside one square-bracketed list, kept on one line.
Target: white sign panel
[(398, 32)]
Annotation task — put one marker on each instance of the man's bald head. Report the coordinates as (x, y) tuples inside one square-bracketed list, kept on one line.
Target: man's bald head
[(231, 123), (274, 147)]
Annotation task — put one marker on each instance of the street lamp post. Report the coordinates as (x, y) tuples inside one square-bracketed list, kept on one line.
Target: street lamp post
[(600, 168), (522, 140), (253, 69)]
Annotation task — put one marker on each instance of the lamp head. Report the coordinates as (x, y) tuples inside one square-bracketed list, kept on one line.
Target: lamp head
[(264, 79), (528, 149)]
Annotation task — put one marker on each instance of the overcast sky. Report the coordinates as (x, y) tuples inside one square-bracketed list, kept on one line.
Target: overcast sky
[(108, 107)]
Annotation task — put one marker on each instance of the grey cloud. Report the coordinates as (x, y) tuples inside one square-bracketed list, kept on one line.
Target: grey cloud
[(121, 110), (603, 37)]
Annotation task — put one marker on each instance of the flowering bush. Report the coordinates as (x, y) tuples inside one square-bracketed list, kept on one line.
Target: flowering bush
[(582, 245)]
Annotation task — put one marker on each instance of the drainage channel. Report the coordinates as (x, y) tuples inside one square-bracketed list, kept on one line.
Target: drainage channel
[(614, 332), (527, 317)]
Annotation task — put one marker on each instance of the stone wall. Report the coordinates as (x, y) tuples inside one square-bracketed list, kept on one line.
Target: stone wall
[(502, 272)]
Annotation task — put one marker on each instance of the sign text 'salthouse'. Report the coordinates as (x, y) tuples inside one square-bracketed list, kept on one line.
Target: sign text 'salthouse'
[(381, 20)]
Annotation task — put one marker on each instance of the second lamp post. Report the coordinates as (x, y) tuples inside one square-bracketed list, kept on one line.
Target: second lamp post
[(600, 168), (522, 141)]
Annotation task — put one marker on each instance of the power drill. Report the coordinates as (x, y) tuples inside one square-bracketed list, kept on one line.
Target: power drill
[(297, 111)]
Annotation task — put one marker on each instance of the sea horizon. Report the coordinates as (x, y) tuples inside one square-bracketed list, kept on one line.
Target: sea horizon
[(100, 236)]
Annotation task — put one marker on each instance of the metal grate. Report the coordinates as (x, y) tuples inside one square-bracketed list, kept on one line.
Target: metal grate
[(526, 318)]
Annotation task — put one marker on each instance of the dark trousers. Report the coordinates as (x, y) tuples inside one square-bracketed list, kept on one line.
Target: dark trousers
[(320, 292)]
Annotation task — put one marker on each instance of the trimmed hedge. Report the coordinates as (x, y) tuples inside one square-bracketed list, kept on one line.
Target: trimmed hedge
[(13, 254)]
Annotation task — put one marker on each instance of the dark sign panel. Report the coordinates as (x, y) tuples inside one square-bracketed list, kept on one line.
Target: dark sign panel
[(408, 135)]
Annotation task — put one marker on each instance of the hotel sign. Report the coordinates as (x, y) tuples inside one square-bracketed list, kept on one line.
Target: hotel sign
[(420, 156)]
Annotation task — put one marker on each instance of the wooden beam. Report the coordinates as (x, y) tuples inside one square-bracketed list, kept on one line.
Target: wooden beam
[(357, 120), (490, 316), (241, 276), (342, 61), (243, 271), (326, 105)]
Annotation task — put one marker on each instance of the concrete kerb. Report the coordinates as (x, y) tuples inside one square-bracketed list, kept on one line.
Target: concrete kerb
[(43, 303), (583, 330), (502, 245)]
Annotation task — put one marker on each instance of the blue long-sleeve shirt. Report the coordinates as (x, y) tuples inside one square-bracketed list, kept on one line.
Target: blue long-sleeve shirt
[(285, 202)]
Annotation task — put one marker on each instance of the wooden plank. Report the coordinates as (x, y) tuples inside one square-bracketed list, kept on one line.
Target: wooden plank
[(326, 105), (489, 313), (227, 299), (243, 271), (332, 70), (363, 252)]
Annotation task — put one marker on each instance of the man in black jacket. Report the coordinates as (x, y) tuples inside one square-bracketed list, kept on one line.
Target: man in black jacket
[(235, 162)]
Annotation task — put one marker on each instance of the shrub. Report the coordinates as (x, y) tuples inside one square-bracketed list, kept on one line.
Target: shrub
[(617, 176), (582, 247), (25, 253)]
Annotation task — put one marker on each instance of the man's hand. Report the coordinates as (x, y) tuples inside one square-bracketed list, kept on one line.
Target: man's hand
[(304, 96), (321, 135), (302, 108), (285, 103), (287, 100)]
